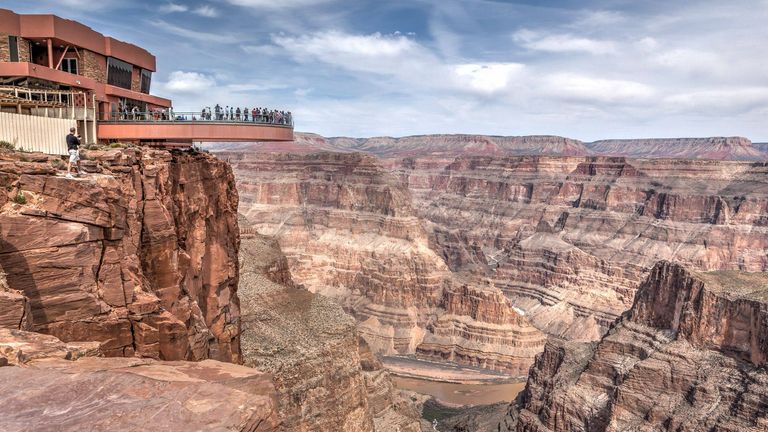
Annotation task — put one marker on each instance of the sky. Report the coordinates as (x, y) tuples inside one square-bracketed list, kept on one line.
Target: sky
[(582, 69)]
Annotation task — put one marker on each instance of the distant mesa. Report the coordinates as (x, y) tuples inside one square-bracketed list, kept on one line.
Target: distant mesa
[(450, 146)]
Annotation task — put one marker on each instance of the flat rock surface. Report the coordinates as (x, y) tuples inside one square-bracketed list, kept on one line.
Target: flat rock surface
[(98, 394)]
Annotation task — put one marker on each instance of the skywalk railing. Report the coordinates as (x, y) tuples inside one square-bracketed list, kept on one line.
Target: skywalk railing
[(170, 116)]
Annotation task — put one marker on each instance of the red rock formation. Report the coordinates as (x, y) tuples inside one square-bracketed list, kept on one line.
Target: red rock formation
[(480, 328), (324, 380), (570, 239), (67, 387), (690, 355), (420, 146), (140, 257), (349, 231)]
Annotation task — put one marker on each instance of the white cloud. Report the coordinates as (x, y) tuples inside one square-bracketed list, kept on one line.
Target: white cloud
[(206, 11), (277, 4), (488, 78), (561, 43), (188, 82), (172, 8), (581, 88), (691, 61), (374, 53), (192, 34), (600, 18), (719, 101)]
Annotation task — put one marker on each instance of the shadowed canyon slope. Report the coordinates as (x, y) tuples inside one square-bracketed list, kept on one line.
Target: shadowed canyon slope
[(690, 355), (325, 380)]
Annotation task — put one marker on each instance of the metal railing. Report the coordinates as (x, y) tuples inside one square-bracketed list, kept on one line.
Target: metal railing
[(166, 116)]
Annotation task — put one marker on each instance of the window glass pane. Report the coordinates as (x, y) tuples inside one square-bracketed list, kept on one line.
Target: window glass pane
[(119, 73), (13, 43), (146, 80)]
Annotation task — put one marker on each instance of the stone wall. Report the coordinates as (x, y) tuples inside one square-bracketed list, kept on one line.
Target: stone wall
[(136, 79), (93, 66)]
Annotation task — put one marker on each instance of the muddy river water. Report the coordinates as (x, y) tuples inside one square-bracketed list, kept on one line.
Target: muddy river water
[(461, 394), (452, 384)]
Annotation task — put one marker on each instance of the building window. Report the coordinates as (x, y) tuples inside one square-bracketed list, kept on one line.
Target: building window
[(146, 80), (69, 65), (119, 73), (13, 43)]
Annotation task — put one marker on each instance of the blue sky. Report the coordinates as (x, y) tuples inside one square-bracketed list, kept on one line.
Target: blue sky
[(582, 69)]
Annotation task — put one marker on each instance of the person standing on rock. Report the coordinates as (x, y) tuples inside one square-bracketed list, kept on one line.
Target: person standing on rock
[(73, 147)]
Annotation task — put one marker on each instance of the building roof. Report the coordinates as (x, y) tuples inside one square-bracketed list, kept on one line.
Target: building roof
[(68, 32)]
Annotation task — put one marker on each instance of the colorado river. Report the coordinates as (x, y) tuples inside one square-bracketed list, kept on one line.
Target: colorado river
[(451, 384), (453, 394)]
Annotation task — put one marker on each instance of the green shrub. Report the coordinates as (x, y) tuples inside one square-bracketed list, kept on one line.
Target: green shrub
[(93, 147), (20, 198), (116, 145), (5, 145)]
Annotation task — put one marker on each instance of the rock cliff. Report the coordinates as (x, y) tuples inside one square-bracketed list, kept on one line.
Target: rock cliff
[(139, 255), (570, 239), (689, 355), (349, 230), (325, 380)]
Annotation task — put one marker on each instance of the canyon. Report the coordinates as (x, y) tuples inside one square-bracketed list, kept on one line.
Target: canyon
[(259, 289), (475, 259), (127, 284), (689, 355)]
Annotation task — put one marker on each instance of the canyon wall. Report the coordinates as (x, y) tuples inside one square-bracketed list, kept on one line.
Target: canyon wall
[(349, 230), (570, 239), (408, 244), (689, 355), (325, 380), (139, 255)]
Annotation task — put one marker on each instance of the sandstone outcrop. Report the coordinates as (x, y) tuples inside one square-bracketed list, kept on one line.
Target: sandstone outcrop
[(689, 355), (480, 328), (140, 256), (68, 387)]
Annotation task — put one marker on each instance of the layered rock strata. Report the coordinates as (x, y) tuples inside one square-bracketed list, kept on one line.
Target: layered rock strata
[(719, 148), (689, 355), (570, 239), (311, 347), (480, 328), (350, 232), (140, 255), (441, 146)]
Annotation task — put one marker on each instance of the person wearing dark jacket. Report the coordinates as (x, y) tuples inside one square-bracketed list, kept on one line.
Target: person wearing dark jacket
[(73, 147)]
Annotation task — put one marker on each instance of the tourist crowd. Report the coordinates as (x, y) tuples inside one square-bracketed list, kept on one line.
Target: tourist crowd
[(218, 113), (257, 115)]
